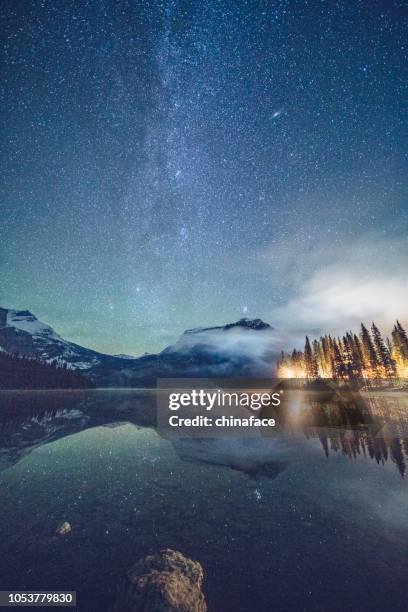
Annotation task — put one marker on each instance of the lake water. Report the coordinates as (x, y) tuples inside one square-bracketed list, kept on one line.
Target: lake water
[(314, 517)]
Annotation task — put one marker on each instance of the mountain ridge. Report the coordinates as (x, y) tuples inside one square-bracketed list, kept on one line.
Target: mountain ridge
[(242, 348)]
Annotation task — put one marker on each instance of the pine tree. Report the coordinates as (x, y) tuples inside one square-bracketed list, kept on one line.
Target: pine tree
[(403, 334), (386, 363), (333, 372), (318, 353), (338, 362), (298, 362), (358, 361), (325, 354), (348, 355), (400, 339), (369, 353), (310, 361), (359, 351)]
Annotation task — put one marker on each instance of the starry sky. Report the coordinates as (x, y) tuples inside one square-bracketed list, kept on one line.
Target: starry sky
[(170, 164)]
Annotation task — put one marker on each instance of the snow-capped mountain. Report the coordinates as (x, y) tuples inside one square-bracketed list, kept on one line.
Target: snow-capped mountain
[(22, 333), (245, 348), (232, 338)]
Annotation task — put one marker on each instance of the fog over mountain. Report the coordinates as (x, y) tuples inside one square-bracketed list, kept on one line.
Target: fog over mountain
[(244, 348)]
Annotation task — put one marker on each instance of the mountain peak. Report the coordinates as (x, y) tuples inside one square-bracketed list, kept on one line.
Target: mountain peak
[(245, 335), (25, 321), (23, 334), (11, 318), (241, 324), (248, 324)]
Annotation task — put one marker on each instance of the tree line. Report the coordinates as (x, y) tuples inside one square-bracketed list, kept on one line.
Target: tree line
[(363, 355), (18, 372)]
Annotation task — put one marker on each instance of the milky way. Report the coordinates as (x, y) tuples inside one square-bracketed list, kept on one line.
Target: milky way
[(173, 164)]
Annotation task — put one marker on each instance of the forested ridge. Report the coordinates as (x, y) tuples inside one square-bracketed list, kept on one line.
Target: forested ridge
[(19, 372)]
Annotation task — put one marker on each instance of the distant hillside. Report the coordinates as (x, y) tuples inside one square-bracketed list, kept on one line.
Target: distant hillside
[(27, 373)]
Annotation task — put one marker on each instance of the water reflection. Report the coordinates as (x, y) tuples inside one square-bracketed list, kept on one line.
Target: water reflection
[(367, 425), (372, 425), (273, 522)]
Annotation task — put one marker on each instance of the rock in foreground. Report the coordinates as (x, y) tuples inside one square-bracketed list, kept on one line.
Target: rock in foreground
[(63, 528), (165, 582)]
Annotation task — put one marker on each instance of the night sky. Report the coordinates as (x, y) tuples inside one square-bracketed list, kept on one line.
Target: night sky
[(173, 164)]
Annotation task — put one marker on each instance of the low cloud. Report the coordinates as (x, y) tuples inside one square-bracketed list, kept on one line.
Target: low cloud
[(257, 344), (363, 280)]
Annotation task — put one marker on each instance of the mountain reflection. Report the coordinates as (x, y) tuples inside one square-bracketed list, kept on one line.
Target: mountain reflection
[(364, 425)]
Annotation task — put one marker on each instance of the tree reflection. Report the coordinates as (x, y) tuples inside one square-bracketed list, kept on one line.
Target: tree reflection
[(355, 424)]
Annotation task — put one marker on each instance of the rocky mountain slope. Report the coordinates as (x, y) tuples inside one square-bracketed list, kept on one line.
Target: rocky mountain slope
[(244, 348)]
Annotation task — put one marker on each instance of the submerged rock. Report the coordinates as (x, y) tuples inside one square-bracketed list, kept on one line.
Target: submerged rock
[(165, 582), (63, 528)]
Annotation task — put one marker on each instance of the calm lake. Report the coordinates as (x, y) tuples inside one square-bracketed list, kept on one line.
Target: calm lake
[(314, 517)]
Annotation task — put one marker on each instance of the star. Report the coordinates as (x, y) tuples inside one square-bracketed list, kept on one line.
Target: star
[(277, 113)]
